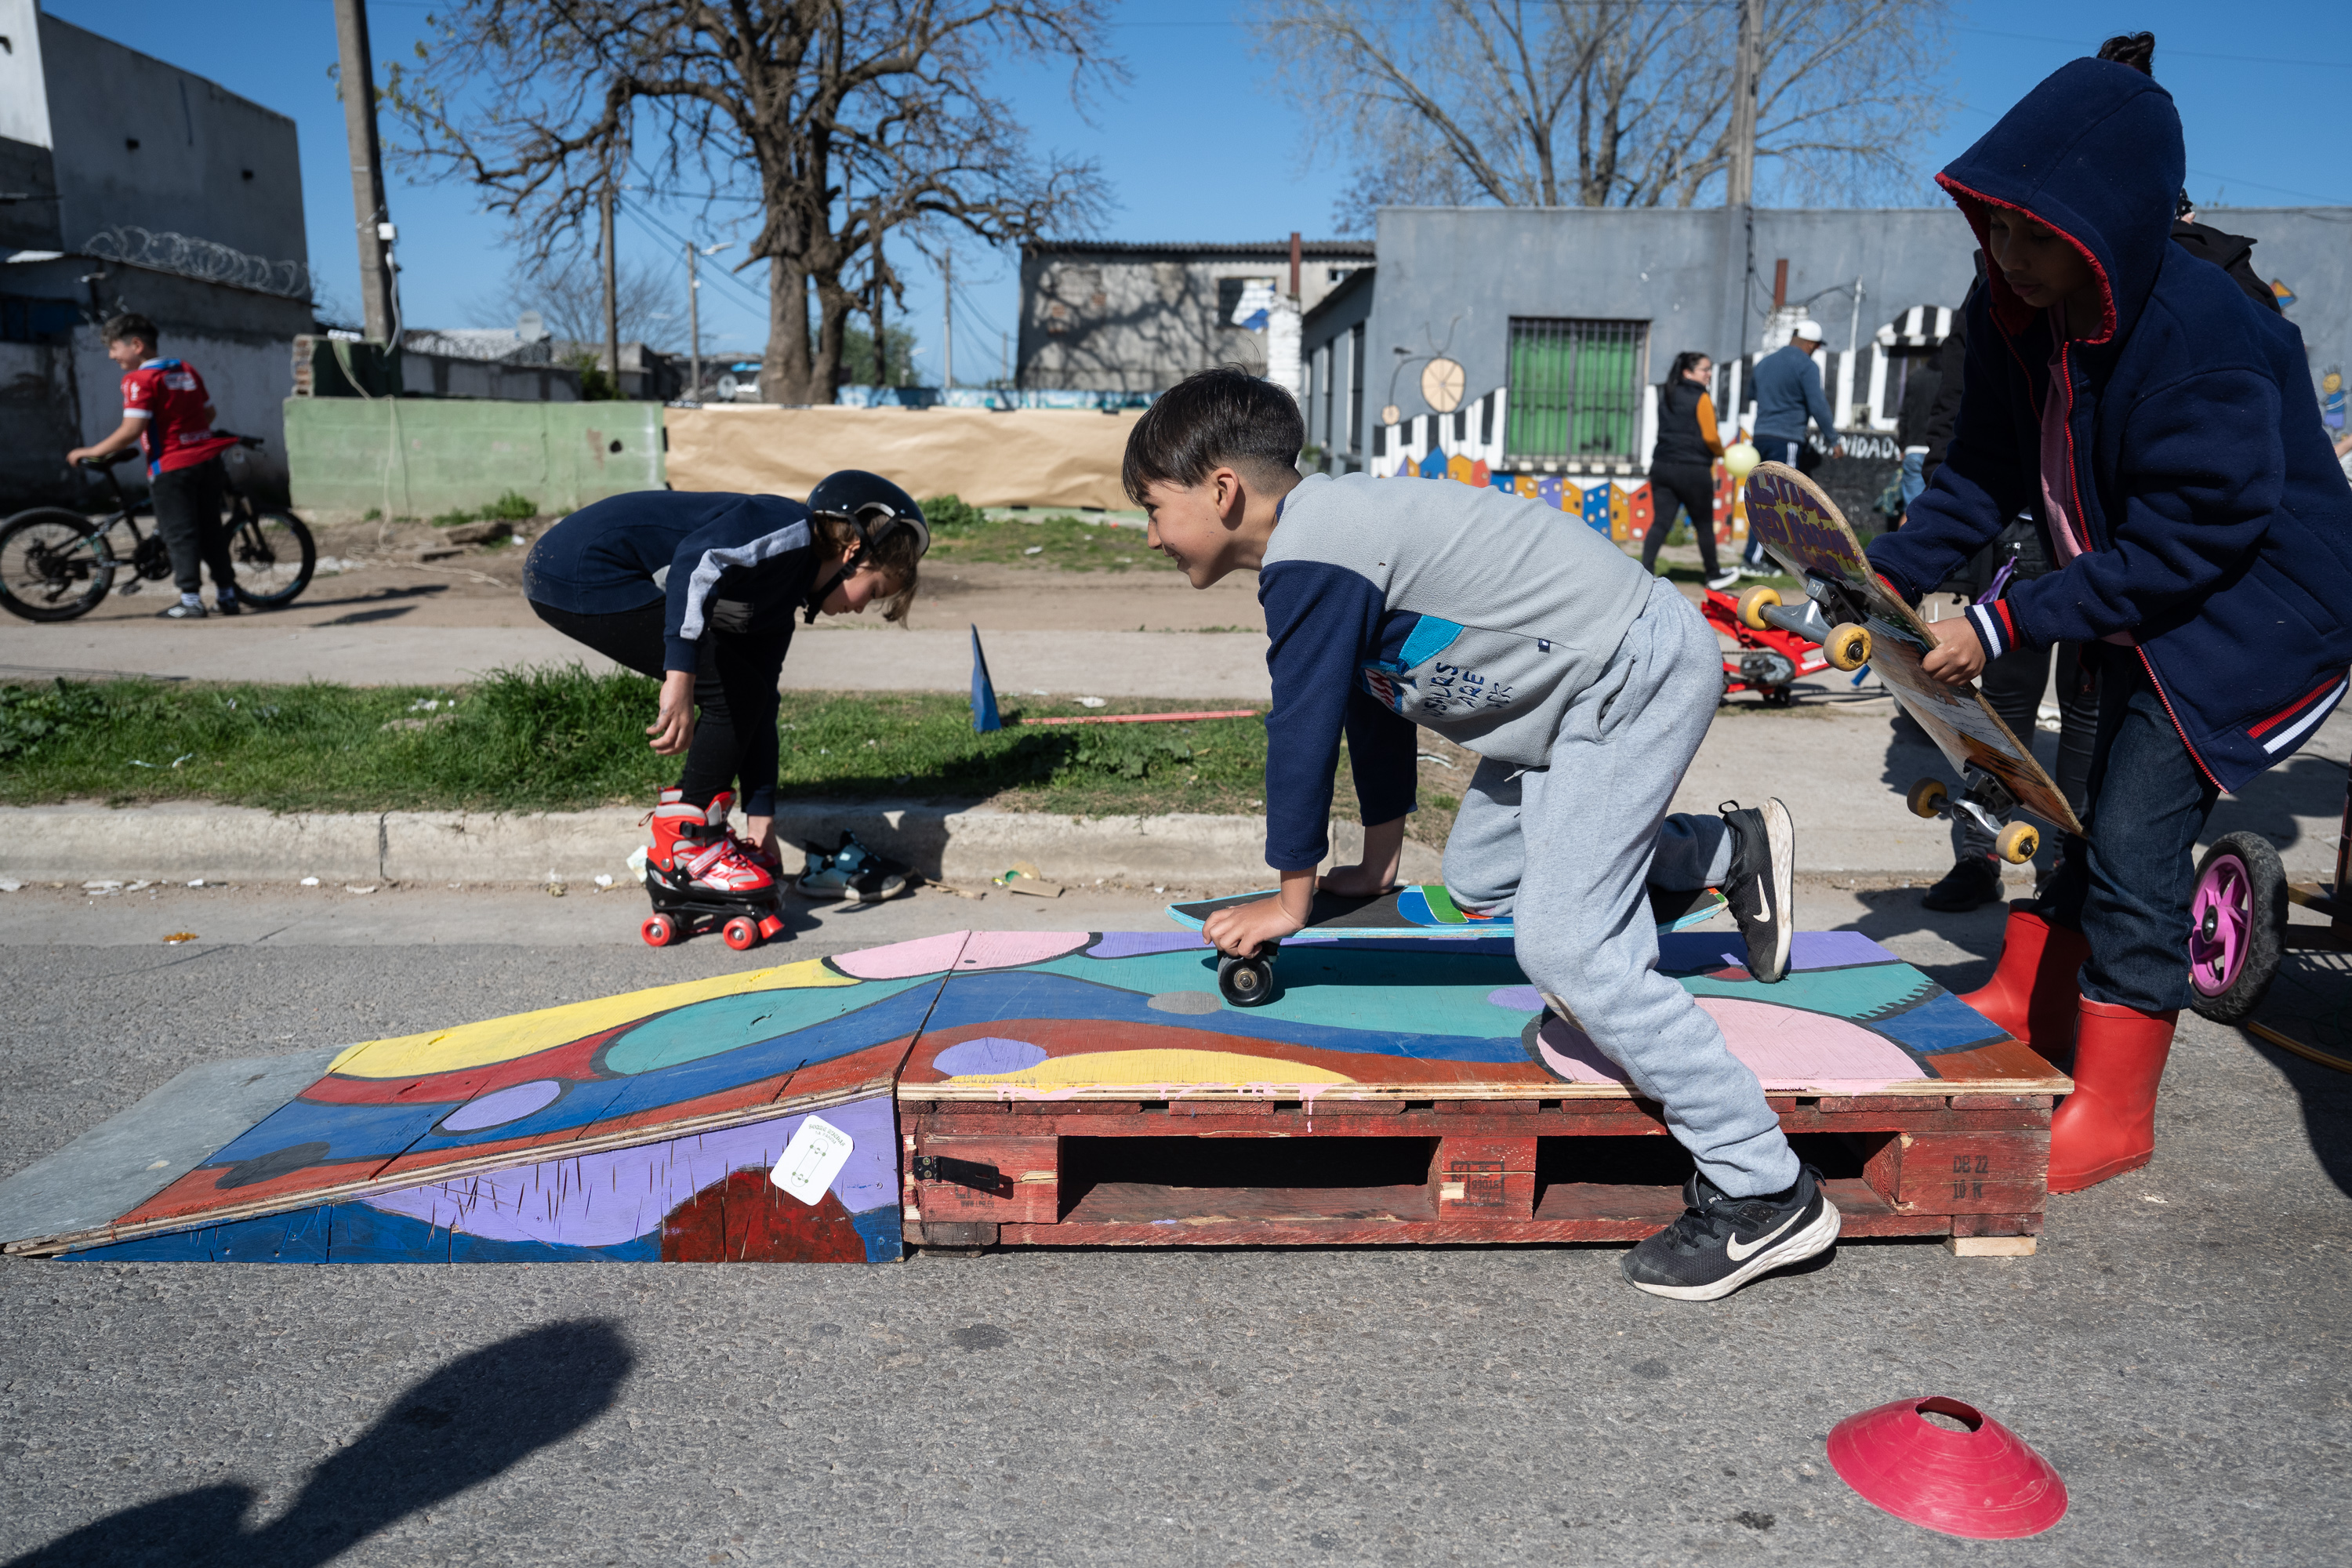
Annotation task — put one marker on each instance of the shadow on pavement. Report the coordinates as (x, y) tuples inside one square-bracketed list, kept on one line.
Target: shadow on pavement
[(479, 1415)]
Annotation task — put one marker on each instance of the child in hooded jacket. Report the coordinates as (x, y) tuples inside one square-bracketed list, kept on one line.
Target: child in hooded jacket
[(2161, 428)]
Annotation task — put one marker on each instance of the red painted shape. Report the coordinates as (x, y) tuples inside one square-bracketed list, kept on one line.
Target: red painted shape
[(746, 1218), (1983, 1484), (574, 1060)]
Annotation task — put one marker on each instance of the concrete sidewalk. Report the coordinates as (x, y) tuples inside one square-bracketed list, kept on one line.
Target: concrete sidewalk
[(1835, 761)]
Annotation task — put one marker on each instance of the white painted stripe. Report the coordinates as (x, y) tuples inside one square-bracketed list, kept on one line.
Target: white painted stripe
[(2287, 737)]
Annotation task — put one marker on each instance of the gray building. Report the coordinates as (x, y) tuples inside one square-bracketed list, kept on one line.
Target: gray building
[(1103, 316), (1563, 322), (144, 187)]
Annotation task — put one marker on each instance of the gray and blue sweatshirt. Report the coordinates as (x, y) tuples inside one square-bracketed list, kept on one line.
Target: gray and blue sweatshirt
[(1392, 603)]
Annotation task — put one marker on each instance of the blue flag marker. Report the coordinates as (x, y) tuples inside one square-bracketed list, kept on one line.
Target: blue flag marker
[(983, 691)]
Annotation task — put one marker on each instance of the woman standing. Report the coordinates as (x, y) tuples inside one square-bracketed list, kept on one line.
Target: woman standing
[(1682, 465)]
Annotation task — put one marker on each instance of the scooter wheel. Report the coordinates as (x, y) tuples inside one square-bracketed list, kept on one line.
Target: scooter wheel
[(1246, 982), (659, 930), (741, 934)]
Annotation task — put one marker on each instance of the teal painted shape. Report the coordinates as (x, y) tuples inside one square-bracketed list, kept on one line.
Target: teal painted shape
[(724, 1024), (1859, 994), (1429, 638), (1373, 990)]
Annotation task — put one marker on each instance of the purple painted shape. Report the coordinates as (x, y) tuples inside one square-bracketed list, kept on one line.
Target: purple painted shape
[(1683, 953), (501, 1106), (988, 1053), (1516, 998), (1136, 943), (1834, 949), (602, 1200)]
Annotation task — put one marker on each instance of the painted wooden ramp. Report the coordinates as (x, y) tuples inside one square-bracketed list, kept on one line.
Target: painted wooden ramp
[(644, 1126)]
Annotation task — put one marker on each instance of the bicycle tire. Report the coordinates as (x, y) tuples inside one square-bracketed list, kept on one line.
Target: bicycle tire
[(35, 571), (276, 550)]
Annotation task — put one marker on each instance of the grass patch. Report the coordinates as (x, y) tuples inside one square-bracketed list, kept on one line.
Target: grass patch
[(552, 740), (512, 506), (962, 534)]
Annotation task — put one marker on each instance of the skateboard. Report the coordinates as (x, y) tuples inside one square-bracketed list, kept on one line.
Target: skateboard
[(1857, 621), (1413, 910)]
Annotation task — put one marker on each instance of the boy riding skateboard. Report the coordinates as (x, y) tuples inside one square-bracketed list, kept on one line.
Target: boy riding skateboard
[(1583, 684)]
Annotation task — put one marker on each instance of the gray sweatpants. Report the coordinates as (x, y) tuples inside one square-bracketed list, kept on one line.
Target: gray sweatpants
[(1596, 817)]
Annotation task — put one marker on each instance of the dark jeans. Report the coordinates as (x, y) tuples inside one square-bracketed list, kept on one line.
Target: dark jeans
[(1692, 488), (734, 688), (188, 506), (2126, 886)]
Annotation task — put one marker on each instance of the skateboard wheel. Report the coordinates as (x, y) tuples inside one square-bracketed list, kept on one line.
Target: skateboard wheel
[(1927, 798), (1848, 647), (2017, 842), (659, 930), (1752, 605), (1246, 982), (741, 934)]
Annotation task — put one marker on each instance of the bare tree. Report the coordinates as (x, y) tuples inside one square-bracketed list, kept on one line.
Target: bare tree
[(568, 292), (841, 120), (1603, 103)]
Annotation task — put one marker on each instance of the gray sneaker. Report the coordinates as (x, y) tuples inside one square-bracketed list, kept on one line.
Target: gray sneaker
[(1762, 883)]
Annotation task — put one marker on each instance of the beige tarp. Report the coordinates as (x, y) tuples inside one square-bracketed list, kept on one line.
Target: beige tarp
[(1025, 456)]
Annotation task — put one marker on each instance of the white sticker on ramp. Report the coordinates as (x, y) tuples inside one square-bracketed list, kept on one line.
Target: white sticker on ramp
[(811, 1160)]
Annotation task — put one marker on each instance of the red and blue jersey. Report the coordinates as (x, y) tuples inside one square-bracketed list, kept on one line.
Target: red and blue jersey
[(170, 397)]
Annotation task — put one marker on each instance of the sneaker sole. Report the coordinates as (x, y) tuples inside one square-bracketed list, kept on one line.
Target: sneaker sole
[(1814, 1239), (1780, 841)]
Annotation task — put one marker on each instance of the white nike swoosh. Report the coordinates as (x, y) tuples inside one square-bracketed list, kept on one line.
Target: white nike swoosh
[(1739, 1254), (1764, 897)]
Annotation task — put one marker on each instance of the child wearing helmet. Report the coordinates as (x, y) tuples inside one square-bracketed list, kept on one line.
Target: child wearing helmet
[(698, 591)]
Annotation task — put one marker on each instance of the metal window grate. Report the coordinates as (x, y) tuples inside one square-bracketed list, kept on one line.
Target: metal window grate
[(1575, 390)]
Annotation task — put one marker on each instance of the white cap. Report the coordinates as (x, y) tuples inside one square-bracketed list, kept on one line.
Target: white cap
[(1809, 329)]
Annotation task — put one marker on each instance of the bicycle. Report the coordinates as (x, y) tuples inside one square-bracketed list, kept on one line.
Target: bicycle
[(55, 564)]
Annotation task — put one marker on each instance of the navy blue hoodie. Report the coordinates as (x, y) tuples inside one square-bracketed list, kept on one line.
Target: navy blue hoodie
[(2217, 522)]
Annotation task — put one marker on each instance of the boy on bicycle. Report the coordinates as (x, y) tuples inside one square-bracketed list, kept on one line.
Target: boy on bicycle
[(165, 402)]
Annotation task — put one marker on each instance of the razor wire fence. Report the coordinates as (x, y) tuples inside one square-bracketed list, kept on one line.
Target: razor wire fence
[(162, 251)]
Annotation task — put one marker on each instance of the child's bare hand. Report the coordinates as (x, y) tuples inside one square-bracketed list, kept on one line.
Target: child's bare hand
[(1239, 930), (672, 731), (1359, 881), (1958, 656)]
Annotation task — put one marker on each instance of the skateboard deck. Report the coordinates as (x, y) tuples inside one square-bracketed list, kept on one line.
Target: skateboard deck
[(1427, 910), (1805, 532)]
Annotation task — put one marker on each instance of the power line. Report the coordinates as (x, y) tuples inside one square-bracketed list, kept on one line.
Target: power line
[(2162, 49)]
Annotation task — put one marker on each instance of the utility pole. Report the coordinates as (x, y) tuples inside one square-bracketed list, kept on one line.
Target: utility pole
[(1740, 191), (881, 340), (693, 328), (373, 223), (612, 294), (947, 318)]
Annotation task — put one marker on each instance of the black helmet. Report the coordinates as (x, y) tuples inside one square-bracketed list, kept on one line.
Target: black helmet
[(871, 502)]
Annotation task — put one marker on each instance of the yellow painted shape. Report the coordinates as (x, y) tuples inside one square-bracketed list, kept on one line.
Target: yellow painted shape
[(520, 1034), (1457, 468), (1620, 512), (1157, 1067)]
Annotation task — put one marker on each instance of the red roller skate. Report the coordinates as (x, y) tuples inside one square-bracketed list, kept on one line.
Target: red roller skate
[(698, 875)]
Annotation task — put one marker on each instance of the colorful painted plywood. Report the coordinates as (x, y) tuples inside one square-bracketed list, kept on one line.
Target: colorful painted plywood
[(1133, 1015)]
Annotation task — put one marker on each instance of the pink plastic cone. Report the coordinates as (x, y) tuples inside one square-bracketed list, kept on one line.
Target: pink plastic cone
[(1985, 1483)]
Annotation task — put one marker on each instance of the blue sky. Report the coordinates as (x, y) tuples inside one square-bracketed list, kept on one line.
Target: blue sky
[(1198, 146)]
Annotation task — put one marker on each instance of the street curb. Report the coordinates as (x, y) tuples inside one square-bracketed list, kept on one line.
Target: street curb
[(953, 844)]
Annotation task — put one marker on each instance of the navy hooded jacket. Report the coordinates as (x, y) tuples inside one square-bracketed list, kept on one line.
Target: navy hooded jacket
[(2218, 525), (729, 563)]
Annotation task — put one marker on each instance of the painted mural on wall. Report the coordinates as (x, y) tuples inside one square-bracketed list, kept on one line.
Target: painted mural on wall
[(1465, 445)]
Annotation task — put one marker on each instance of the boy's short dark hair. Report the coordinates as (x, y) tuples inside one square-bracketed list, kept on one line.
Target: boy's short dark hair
[(1225, 417), (130, 324)]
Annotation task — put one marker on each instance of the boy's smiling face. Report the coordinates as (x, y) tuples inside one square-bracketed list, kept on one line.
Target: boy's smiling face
[(1198, 526)]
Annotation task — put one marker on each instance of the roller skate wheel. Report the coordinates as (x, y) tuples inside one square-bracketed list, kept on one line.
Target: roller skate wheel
[(1927, 798), (2017, 842), (1753, 604), (659, 930), (741, 934), (1848, 647)]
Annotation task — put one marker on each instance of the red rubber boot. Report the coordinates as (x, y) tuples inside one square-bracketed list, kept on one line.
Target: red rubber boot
[(2032, 991), (2107, 1126)]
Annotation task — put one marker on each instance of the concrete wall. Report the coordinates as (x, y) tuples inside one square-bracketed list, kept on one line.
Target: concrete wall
[(209, 164), (1139, 319), (27, 165), (421, 457), (1331, 344)]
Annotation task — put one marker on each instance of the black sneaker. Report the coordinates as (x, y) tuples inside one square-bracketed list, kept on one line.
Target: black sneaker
[(1763, 877), (1721, 1243), (182, 611), (1970, 884), (226, 606)]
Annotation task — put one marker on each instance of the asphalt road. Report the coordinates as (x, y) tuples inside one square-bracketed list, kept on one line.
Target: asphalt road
[(2178, 1349)]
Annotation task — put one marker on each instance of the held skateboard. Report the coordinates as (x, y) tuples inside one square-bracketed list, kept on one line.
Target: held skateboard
[(1857, 621), (1416, 910)]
